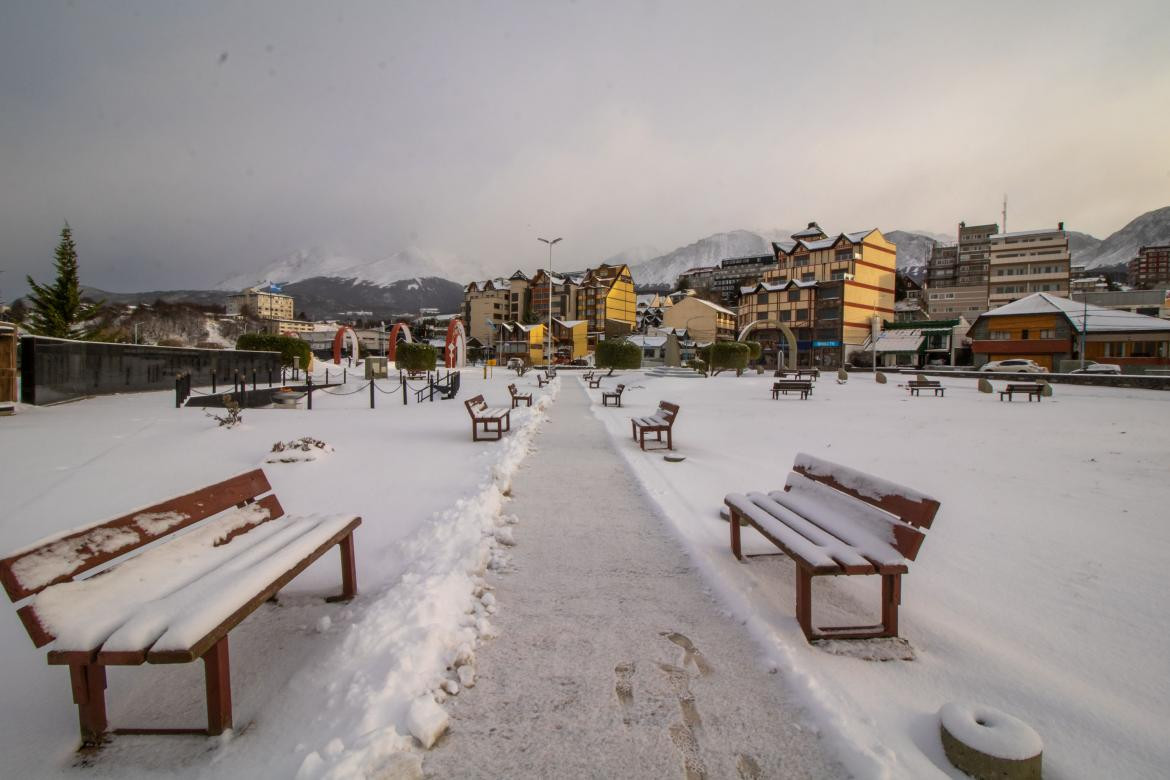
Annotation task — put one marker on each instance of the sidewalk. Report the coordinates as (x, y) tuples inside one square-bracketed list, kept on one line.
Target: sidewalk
[(612, 661)]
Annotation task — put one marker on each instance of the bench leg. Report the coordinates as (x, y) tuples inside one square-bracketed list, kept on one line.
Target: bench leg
[(891, 597), (804, 601), (348, 569), (735, 535), (217, 671), (89, 693)]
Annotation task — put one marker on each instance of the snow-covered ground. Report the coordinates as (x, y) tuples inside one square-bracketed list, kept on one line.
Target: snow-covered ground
[(319, 689), (1041, 589)]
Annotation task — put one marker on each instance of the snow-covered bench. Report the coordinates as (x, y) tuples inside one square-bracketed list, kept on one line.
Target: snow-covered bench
[(802, 386), (174, 602), (916, 386), (831, 519), (517, 397), (499, 420), (662, 421), (615, 395)]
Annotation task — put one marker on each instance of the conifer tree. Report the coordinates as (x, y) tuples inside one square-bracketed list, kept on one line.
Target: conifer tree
[(56, 309)]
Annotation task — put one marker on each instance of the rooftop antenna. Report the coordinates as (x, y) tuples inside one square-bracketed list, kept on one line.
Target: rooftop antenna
[(1005, 212)]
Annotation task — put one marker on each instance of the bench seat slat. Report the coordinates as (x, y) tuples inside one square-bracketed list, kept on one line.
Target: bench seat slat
[(218, 589), (841, 551), (781, 535), (870, 531)]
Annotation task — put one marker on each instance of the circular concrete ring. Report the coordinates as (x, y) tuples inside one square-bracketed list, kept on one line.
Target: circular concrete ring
[(987, 743)]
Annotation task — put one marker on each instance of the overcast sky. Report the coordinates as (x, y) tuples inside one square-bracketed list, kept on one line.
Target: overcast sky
[(186, 141)]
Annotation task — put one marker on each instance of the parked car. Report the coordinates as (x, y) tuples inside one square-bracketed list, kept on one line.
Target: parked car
[(515, 363), (1098, 368), (1015, 365)]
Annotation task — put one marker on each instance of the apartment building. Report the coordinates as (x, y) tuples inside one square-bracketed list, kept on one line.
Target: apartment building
[(1151, 268), (565, 293), (274, 309), (486, 305), (825, 291), (956, 274), (1027, 262), (730, 276), (606, 300)]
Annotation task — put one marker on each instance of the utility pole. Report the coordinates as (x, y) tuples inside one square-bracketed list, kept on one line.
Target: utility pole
[(1084, 328), (1005, 212), (549, 359)]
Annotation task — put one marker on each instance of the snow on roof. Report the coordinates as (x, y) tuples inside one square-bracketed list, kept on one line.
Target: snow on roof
[(714, 306), (778, 286), (570, 323), (908, 340), (647, 341), (1082, 316), (858, 236)]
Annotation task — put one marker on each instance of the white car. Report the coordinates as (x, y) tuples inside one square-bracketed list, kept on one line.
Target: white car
[(1015, 366), (1098, 368)]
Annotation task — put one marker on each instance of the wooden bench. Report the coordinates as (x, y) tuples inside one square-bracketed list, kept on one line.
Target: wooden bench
[(615, 394), (595, 382), (541, 380), (1024, 388), (518, 397), (804, 387), (662, 421), (499, 420), (918, 385), (175, 602), (835, 520)]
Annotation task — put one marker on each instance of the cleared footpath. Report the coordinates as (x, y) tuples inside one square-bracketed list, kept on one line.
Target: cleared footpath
[(612, 660)]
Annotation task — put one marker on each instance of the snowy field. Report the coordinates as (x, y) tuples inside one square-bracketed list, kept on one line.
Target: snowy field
[(1041, 588), (319, 689)]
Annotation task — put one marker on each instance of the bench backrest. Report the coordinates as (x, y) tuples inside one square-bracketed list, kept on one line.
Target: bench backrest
[(667, 411), (65, 558), (512, 389), (474, 405), (913, 509), (619, 389)]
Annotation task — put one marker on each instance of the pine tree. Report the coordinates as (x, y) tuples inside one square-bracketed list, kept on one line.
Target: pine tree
[(56, 309)]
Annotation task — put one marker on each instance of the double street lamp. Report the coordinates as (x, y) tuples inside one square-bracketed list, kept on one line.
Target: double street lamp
[(550, 286)]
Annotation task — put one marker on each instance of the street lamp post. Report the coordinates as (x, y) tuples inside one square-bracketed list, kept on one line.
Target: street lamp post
[(548, 367)]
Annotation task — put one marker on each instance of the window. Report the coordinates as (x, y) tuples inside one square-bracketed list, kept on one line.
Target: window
[(802, 314), (808, 277), (762, 299), (786, 315), (843, 254), (794, 295), (999, 335)]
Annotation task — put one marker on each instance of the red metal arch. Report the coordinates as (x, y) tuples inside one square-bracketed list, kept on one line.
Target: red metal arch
[(399, 328), (339, 339), (455, 351)]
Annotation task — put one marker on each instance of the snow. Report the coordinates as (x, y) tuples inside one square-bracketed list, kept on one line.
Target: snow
[(308, 676), (990, 731), (1039, 589), (1079, 313), (427, 720)]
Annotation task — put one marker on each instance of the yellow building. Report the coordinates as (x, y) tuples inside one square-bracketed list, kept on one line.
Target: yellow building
[(606, 300), (486, 307), (824, 291), (704, 321), (570, 339), (523, 341)]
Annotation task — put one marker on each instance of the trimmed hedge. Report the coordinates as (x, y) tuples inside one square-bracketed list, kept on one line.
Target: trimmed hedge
[(412, 356), (723, 355), (288, 347), (618, 353), (756, 348)]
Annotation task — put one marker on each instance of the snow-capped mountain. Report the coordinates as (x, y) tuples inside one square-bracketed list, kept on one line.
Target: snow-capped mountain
[(665, 269), (913, 251), (410, 263), (1150, 228)]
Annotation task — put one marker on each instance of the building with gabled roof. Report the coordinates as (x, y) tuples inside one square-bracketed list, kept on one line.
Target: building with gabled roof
[(824, 290), (1049, 328)]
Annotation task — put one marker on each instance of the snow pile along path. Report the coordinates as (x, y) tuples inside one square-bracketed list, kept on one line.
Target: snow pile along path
[(613, 660), (356, 708)]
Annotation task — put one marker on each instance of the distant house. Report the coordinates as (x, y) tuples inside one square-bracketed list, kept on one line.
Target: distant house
[(1048, 329)]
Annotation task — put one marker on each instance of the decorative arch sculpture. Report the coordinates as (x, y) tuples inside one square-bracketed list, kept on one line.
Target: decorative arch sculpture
[(339, 339), (400, 332), (455, 350), (780, 326)]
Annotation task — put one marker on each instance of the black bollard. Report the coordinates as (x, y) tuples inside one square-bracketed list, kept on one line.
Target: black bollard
[(403, 388), (253, 380), (270, 376), (178, 390), (371, 393), (309, 384), (344, 375), (213, 381), (327, 376)]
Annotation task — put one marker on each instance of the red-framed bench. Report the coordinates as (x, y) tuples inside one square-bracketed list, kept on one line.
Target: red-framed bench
[(662, 421), (490, 419), (835, 520), (517, 397), (615, 395), (175, 602)]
